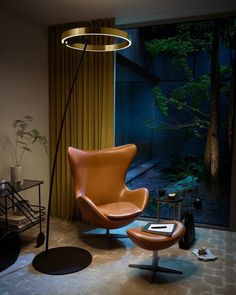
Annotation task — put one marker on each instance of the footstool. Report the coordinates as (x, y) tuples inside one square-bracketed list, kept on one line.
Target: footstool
[(154, 242)]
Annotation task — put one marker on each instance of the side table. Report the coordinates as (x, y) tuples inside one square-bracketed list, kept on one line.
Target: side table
[(174, 202), (11, 223), (32, 214)]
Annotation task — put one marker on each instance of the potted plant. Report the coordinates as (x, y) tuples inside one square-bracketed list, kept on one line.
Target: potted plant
[(24, 138)]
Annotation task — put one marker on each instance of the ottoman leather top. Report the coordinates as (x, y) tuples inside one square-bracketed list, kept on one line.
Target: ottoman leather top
[(155, 242)]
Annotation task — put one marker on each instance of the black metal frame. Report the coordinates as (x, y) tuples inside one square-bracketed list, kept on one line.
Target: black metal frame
[(33, 213)]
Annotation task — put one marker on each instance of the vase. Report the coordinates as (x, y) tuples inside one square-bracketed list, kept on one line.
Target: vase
[(2, 184), (16, 175)]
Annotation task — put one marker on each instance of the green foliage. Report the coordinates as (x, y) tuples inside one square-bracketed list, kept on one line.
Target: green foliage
[(188, 39), (178, 48), (172, 45), (149, 123), (160, 100), (191, 38), (226, 70), (226, 73), (195, 90), (229, 33), (186, 166), (186, 98), (25, 137), (199, 34)]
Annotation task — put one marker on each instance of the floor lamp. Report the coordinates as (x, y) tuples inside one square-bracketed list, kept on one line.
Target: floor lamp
[(65, 260)]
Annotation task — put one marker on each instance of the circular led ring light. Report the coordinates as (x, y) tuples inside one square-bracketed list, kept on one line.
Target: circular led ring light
[(103, 31)]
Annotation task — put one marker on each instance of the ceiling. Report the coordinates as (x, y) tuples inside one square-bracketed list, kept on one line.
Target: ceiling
[(51, 12)]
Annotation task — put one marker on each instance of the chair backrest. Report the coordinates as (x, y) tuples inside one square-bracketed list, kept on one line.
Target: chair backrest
[(100, 174)]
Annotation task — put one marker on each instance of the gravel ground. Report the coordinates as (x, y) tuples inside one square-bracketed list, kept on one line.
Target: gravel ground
[(215, 210)]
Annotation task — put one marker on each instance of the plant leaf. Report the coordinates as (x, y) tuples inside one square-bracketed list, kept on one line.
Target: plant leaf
[(25, 148)]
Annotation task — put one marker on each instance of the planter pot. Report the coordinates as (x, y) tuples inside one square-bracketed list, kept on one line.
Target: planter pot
[(16, 175)]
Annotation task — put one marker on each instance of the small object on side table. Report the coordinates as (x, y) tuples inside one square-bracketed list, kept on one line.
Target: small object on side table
[(197, 204), (161, 192), (16, 175), (172, 195), (175, 202)]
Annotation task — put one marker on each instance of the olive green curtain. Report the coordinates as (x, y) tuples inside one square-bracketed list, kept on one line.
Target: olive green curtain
[(90, 118)]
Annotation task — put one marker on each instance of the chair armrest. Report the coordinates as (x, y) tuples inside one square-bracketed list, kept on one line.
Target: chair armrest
[(138, 197), (89, 209)]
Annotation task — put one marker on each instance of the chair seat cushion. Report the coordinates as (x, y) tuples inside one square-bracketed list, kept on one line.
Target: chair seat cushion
[(119, 210), (155, 242)]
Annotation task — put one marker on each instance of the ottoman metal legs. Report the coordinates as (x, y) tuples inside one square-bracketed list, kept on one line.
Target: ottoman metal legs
[(154, 242), (155, 267)]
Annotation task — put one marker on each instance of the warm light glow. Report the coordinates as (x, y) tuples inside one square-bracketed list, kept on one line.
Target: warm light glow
[(123, 37)]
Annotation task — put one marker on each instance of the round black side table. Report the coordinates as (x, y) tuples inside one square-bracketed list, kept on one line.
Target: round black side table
[(176, 205)]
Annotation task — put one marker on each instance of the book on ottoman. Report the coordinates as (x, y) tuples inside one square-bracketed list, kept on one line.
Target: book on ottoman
[(165, 229)]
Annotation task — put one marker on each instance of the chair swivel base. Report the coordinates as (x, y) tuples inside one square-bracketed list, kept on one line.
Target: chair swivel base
[(62, 260), (107, 235), (154, 267)]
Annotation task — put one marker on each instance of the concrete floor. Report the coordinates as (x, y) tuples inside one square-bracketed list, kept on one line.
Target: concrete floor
[(109, 272)]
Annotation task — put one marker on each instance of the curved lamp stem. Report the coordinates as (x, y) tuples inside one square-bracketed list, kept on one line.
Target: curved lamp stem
[(57, 148), (66, 260)]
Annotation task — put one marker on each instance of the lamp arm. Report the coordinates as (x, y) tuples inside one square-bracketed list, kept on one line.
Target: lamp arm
[(57, 147)]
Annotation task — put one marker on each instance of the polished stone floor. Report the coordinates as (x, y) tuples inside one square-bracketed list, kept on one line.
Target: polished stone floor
[(109, 272)]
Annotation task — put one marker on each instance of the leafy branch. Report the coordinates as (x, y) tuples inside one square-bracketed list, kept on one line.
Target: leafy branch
[(175, 125), (183, 42), (25, 137), (179, 50), (188, 99), (188, 40)]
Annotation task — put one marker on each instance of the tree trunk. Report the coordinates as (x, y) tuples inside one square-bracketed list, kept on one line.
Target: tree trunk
[(232, 97), (212, 143), (207, 158)]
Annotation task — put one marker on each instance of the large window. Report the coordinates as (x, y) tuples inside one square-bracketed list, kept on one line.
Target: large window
[(174, 99)]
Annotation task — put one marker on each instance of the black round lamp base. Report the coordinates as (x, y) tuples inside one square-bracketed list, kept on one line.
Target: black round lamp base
[(62, 260), (10, 246)]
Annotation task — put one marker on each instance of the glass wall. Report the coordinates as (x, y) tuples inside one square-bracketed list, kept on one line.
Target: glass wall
[(132, 108), (133, 101), (174, 99)]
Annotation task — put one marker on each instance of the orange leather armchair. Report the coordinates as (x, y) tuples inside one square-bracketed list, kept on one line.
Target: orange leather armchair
[(99, 185)]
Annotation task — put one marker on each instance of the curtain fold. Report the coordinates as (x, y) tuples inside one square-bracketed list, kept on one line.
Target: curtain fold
[(89, 122)]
